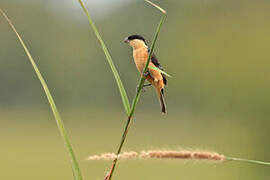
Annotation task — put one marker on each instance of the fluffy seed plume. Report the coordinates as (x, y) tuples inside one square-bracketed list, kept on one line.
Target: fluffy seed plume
[(159, 154), (112, 156)]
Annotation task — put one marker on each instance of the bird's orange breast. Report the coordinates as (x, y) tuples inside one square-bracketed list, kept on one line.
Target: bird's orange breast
[(140, 56)]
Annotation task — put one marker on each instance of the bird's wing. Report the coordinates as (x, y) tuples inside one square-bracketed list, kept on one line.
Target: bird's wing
[(155, 61)]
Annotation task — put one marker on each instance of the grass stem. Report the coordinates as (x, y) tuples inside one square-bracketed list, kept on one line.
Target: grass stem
[(75, 166), (247, 161), (122, 90), (136, 99), (123, 93)]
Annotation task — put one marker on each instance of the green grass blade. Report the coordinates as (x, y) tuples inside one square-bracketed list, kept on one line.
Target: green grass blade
[(63, 132), (109, 59), (137, 96), (156, 6), (157, 69), (248, 161)]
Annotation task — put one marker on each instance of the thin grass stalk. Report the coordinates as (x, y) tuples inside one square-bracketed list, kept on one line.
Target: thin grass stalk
[(135, 101), (109, 59), (125, 101), (247, 161), (75, 166), (156, 6)]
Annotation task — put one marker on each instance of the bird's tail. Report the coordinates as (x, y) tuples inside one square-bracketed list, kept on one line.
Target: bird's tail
[(162, 102)]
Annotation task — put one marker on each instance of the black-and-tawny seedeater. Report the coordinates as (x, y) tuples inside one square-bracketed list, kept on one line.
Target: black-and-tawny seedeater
[(140, 55)]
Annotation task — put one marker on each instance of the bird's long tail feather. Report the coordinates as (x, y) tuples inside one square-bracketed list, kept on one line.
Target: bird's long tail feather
[(162, 102)]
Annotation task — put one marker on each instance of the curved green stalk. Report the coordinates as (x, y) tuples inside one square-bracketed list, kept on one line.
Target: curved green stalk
[(63, 132), (137, 96), (124, 97), (248, 161), (109, 59)]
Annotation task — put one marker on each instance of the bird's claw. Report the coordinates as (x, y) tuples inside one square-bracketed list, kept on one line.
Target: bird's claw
[(143, 89), (147, 73), (146, 85)]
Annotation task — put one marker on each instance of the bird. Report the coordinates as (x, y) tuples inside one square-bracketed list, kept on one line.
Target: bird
[(154, 77)]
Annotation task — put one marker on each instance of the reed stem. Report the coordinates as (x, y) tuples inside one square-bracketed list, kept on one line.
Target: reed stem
[(75, 166), (135, 101)]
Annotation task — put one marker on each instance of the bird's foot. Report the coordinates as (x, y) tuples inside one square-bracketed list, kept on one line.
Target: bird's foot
[(146, 85), (143, 88), (147, 73)]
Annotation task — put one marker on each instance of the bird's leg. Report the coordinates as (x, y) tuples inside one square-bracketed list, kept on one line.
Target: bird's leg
[(143, 88), (137, 89), (146, 85), (147, 73)]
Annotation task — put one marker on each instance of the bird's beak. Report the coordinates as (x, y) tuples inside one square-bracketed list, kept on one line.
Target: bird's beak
[(126, 41)]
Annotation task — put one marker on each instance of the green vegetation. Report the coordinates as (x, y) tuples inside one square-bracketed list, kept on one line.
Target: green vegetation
[(217, 100), (123, 93), (62, 130)]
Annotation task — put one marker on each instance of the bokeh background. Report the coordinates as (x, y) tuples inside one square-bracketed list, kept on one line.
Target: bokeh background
[(218, 98)]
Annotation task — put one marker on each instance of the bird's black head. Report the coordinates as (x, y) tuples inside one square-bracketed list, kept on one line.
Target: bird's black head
[(132, 37)]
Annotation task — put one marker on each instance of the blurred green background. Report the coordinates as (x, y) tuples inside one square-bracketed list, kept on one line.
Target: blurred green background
[(218, 98)]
